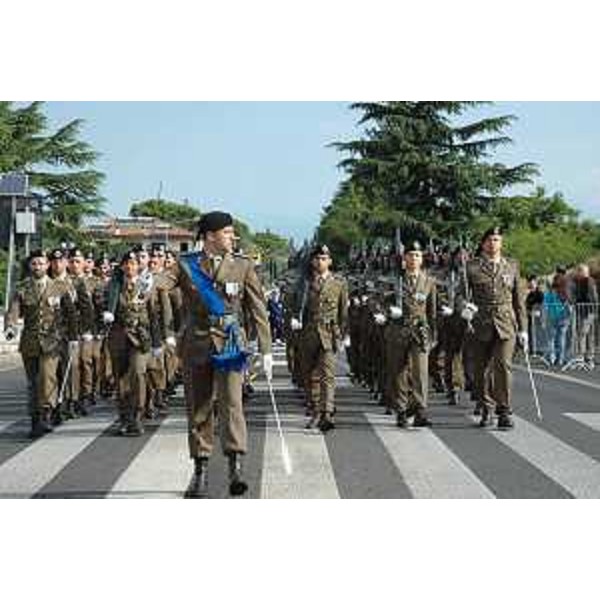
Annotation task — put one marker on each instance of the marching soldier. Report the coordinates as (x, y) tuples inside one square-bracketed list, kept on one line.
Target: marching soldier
[(156, 369), (46, 305), (81, 375), (324, 323), (134, 337), (106, 383), (493, 304), (171, 357), (218, 289), (410, 333)]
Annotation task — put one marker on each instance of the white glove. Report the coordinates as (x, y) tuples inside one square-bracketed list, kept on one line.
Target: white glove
[(295, 324), (9, 334), (447, 311), (156, 352), (87, 337), (380, 318), (395, 312), (346, 342), (523, 338), (267, 363), (171, 342), (108, 317), (469, 311), (73, 346)]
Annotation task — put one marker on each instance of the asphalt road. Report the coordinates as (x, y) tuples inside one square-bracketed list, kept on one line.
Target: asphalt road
[(366, 456)]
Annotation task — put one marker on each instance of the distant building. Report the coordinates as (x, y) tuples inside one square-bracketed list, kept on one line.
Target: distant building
[(141, 230)]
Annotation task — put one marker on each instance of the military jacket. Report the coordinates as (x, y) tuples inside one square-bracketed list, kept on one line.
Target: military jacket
[(83, 305), (419, 305), (136, 316), (236, 281), (49, 315), (496, 291), (326, 309)]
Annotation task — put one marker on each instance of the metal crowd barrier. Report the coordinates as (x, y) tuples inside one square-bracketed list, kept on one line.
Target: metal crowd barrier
[(565, 336)]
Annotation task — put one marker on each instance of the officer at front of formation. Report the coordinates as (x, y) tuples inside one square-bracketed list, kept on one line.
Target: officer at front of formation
[(493, 303), (47, 308), (324, 324), (218, 290), (410, 334)]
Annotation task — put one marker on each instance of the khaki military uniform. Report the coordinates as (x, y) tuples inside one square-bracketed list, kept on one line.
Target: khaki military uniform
[(91, 351), (236, 280), (135, 331), (48, 310), (85, 325), (324, 324), (495, 290), (408, 340), (172, 363), (156, 372)]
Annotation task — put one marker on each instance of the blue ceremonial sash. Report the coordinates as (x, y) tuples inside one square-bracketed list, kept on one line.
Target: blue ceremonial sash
[(232, 357)]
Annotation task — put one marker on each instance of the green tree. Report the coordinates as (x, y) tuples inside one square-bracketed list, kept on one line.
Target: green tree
[(176, 213), (416, 158), (59, 165)]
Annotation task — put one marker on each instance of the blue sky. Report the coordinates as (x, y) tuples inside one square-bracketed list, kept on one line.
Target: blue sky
[(269, 164)]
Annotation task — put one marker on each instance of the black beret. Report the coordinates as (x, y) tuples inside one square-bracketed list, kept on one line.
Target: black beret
[(170, 253), (37, 254), (129, 255), (214, 221), (75, 253), (320, 249), (57, 253), (102, 260), (89, 256), (491, 231), (139, 248), (414, 246)]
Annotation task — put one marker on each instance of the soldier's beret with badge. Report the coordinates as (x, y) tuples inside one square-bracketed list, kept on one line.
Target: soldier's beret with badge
[(214, 221), (491, 231), (139, 248), (320, 250), (37, 254), (414, 246), (76, 253), (57, 254), (129, 255), (89, 256)]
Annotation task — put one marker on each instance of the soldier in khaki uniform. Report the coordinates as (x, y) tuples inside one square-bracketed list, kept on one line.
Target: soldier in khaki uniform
[(493, 303), (46, 305), (172, 363), (156, 373), (213, 348), (410, 333), (80, 382), (134, 337), (324, 324), (106, 382)]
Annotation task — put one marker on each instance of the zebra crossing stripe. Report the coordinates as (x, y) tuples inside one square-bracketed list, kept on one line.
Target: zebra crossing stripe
[(312, 476), (591, 420), (28, 471), (429, 468), (6, 425), (568, 467), (162, 469)]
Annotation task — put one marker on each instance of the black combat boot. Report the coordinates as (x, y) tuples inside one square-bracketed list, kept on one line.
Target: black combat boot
[(135, 428), (68, 410), (453, 398), (486, 418), (505, 421), (401, 420), (421, 419), (37, 430), (237, 485), (80, 407), (326, 423), (198, 487)]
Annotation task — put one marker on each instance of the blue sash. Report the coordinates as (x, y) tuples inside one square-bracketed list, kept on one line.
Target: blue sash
[(232, 357)]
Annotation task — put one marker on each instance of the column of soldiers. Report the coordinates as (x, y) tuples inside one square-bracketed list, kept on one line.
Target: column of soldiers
[(445, 319)]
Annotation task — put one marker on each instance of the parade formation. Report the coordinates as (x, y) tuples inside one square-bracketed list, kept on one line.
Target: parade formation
[(131, 331)]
